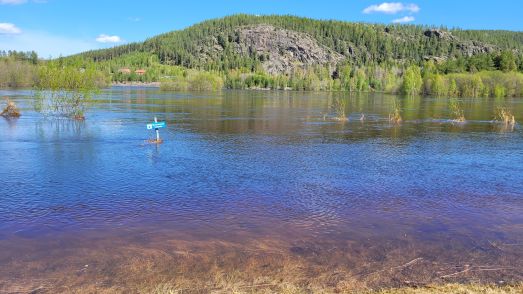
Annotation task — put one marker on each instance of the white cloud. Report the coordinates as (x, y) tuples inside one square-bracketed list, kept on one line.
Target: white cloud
[(391, 8), (9, 29), (13, 2), (103, 38), (404, 19)]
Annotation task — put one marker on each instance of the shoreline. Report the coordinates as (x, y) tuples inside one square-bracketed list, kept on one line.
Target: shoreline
[(136, 84)]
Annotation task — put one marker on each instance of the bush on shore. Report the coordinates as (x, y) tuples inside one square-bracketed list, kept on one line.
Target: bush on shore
[(194, 81)]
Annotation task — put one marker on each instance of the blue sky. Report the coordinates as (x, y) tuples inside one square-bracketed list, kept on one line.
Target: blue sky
[(54, 27)]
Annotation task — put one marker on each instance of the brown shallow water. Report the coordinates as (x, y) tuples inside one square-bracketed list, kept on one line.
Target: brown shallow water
[(258, 191)]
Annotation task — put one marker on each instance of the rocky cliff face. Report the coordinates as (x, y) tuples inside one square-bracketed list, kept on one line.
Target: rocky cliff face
[(469, 48), (282, 50)]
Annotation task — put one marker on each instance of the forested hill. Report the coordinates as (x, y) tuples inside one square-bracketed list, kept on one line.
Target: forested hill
[(280, 43)]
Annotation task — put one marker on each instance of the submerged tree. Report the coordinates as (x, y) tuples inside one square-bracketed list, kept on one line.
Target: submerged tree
[(66, 91), (456, 109), (10, 111), (395, 115)]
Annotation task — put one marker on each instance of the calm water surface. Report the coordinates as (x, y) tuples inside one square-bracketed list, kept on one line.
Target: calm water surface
[(238, 166)]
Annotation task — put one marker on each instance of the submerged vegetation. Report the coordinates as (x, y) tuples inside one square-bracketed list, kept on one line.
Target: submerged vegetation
[(66, 91), (456, 110), (63, 89), (505, 116), (288, 288), (395, 115), (453, 289), (10, 111), (217, 54), (338, 108)]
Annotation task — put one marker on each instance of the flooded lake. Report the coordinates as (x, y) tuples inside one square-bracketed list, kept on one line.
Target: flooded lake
[(258, 189)]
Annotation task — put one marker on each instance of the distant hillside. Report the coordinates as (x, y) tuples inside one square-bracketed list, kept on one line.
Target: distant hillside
[(279, 44)]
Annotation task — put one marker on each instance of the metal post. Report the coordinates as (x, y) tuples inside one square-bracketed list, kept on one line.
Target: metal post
[(157, 131)]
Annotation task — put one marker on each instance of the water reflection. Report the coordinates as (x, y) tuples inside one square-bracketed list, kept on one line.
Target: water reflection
[(265, 168), (59, 128), (11, 122)]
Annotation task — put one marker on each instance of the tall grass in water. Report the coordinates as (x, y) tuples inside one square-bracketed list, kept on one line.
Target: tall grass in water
[(456, 110), (338, 108), (505, 116), (10, 110), (395, 115)]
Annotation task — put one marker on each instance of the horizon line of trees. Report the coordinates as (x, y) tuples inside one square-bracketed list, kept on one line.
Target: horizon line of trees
[(363, 43), (484, 75)]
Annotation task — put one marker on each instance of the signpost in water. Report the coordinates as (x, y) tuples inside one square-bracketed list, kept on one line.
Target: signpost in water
[(156, 125)]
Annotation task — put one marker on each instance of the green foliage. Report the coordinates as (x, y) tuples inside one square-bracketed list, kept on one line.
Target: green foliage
[(361, 43), (468, 85), (66, 91), (395, 115), (205, 81), (456, 110), (480, 84), (338, 108), (179, 83), (499, 91), (360, 80), (344, 75), (506, 61), (412, 81), (17, 74), (453, 88), (29, 56), (194, 81), (385, 58), (437, 86)]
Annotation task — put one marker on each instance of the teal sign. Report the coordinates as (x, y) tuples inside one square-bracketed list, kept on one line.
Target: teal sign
[(156, 125)]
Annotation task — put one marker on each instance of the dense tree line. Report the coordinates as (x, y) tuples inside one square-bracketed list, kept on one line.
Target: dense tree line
[(362, 43), (14, 55), (18, 69), (404, 59), (387, 58)]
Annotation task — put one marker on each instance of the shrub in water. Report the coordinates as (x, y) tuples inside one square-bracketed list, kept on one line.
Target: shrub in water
[(456, 110), (10, 110), (395, 115), (65, 91), (505, 116), (338, 107)]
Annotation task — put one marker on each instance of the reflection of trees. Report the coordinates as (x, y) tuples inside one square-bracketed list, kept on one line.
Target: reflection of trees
[(62, 134), (11, 121), (60, 128), (504, 128), (292, 112)]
